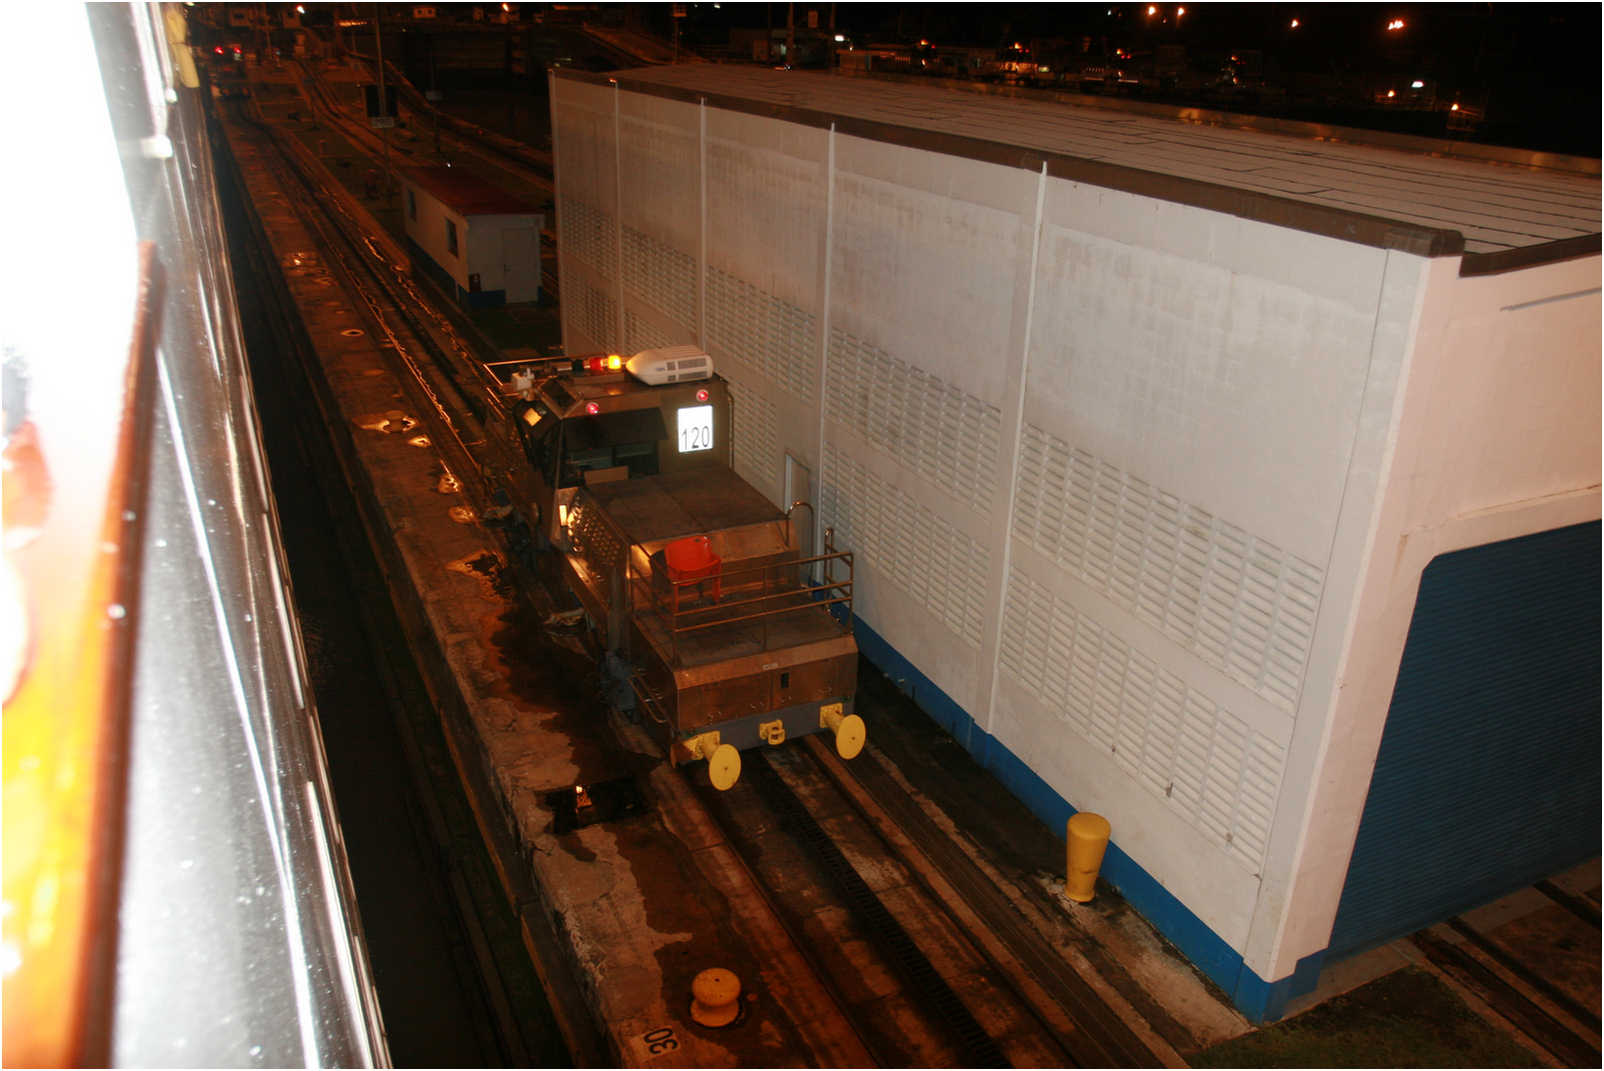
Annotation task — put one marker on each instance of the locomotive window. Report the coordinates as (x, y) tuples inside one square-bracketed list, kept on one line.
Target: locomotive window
[(537, 430), (614, 429)]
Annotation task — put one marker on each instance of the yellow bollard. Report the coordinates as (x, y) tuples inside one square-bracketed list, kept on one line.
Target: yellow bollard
[(715, 997), (1088, 839)]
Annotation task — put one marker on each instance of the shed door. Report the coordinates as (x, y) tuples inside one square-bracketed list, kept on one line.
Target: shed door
[(520, 263), (1488, 773)]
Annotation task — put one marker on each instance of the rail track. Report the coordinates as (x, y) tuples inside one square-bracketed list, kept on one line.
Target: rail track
[(531, 168), (1516, 983), (929, 968), (955, 976)]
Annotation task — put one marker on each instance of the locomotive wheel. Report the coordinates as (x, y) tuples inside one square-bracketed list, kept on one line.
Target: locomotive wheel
[(724, 767), (850, 737)]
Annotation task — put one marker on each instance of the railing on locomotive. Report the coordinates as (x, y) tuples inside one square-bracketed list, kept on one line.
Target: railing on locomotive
[(805, 596)]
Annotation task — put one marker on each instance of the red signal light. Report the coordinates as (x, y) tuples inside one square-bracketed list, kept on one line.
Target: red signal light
[(701, 395), (218, 50), (591, 408)]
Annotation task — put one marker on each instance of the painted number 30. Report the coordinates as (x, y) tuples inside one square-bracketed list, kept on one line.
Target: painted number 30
[(660, 1040)]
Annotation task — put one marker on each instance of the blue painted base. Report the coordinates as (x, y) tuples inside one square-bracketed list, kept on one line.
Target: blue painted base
[(472, 299), (1256, 998)]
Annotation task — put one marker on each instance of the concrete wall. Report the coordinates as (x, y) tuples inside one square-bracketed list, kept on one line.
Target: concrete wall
[(428, 232), (585, 155), (1205, 406), (1115, 469), (1496, 436)]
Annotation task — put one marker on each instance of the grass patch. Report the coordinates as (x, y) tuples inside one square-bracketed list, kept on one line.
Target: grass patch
[(1407, 1019)]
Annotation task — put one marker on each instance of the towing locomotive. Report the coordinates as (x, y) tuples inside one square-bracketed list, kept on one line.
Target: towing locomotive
[(712, 621)]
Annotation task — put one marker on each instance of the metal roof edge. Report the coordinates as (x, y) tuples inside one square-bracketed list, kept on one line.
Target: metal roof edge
[(1531, 256), (1341, 224)]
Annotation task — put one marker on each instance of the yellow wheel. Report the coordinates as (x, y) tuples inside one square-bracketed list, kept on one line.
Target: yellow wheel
[(724, 767), (850, 737)]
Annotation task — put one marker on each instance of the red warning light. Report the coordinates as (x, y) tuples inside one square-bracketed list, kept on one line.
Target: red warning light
[(701, 395), (218, 50), (591, 408)]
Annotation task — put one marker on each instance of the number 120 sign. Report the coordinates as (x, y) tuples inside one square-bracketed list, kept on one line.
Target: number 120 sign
[(695, 428)]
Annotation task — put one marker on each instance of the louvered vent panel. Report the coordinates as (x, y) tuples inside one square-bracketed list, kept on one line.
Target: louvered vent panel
[(1211, 767), (924, 422), (906, 544), (597, 315), (768, 335), (590, 236), (641, 335), (757, 451), (662, 275), (1240, 603)]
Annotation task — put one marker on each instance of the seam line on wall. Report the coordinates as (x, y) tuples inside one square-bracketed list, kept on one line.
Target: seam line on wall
[(824, 333), (1001, 603)]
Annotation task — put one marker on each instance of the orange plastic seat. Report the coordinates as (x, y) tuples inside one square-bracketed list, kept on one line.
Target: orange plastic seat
[(690, 561)]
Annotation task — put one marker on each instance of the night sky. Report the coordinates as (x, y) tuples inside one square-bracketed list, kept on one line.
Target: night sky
[(1533, 68)]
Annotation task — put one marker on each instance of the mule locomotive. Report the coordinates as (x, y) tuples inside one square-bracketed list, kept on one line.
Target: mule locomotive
[(711, 619)]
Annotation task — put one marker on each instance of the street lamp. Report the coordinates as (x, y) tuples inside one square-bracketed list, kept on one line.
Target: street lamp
[(1295, 24), (1395, 24)]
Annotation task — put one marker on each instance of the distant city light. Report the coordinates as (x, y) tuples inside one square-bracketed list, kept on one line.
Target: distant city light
[(1453, 108), (1391, 93), (1295, 24), (1180, 11), (1151, 11), (840, 37), (1417, 84), (1396, 24)]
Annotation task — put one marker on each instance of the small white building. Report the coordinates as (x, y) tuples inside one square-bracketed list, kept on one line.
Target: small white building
[(477, 240)]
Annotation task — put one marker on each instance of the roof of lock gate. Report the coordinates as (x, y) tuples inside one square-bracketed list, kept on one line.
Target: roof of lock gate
[(1502, 208)]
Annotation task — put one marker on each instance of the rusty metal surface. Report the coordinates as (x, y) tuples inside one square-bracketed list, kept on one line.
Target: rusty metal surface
[(683, 503)]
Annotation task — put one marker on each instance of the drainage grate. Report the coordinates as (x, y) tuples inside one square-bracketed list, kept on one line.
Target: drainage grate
[(924, 982)]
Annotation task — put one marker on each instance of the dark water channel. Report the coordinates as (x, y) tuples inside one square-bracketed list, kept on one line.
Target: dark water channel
[(454, 981)]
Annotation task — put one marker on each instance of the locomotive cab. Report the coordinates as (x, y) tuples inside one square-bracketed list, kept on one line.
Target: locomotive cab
[(603, 418)]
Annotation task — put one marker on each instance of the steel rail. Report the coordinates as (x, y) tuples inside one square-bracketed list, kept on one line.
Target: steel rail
[(927, 986), (1101, 1038)]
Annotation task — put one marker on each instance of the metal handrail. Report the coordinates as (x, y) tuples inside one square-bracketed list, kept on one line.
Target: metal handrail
[(804, 596)]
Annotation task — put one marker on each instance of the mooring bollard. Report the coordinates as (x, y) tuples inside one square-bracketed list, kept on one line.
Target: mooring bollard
[(1087, 838)]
